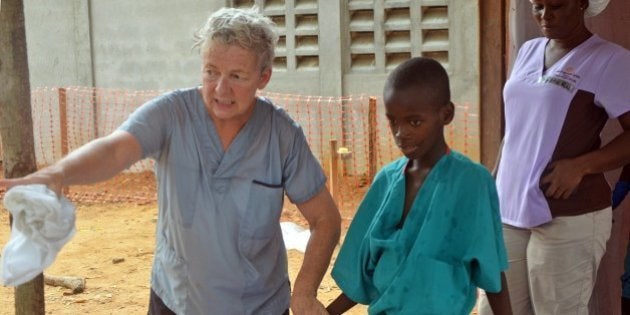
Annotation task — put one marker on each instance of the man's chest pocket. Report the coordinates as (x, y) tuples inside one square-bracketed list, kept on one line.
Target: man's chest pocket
[(263, 209)]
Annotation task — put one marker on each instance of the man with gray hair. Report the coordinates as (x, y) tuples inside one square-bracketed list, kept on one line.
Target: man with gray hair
[(224, 160)]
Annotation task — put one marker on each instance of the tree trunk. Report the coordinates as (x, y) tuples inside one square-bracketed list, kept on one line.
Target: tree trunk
[(16, 126)]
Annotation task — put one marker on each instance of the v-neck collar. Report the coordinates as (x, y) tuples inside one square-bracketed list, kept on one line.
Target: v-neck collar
[(210, 141), (431, 179), (541, 67)]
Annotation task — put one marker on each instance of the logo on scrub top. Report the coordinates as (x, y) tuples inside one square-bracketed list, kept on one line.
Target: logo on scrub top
[(565, 84), (566, 78)]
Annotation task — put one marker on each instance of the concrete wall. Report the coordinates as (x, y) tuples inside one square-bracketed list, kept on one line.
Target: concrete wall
[(613, 23), (58, 42), (114, 43), (329, 48), (147, 44)]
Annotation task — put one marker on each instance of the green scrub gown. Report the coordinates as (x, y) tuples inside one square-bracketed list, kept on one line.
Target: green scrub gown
[(450, 244)]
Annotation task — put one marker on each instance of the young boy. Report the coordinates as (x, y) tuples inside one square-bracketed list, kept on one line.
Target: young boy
[(427, 234)]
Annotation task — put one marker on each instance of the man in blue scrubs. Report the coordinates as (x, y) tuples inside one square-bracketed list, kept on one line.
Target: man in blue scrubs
[(224, 160)]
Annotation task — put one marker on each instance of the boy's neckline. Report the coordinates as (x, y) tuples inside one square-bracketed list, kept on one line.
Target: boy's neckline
[(447, 152)]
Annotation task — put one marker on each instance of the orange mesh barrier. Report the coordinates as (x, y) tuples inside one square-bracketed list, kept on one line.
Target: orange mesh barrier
[(349, 135)]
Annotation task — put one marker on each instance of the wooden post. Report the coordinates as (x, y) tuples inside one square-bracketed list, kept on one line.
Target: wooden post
[(334, 171), (372, 134), (63, 121), (492, 73), (63, 126), (16, 130), (95, 112)]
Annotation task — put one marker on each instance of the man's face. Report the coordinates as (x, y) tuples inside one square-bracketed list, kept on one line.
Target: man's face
[(231, 75)]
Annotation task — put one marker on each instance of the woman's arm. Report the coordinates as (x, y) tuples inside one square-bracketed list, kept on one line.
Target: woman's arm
[(566, 175)]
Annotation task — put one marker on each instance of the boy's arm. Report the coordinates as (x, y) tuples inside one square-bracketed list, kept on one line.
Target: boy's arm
[(500, 302), (340, 305)]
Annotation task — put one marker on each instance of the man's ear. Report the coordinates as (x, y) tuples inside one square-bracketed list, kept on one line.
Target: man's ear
[(447, 112), (265, 76)]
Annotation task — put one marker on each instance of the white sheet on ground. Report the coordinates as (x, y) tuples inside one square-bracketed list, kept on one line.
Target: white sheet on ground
[(295, 236)]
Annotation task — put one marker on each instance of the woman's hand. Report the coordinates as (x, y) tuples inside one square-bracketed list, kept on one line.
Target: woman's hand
[(562, 178)]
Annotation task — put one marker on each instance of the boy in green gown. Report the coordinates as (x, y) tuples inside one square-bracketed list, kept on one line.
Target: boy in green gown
[(427, 233)]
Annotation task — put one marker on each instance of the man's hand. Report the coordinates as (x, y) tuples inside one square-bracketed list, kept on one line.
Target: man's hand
[(51, 176), (307, 305), (619, 193)]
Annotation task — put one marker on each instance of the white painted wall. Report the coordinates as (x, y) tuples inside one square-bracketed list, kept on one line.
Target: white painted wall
[(147, 44), (58, 42), (142, 44)]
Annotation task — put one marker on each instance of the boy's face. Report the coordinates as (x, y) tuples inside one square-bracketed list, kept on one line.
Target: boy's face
[(417, 124)]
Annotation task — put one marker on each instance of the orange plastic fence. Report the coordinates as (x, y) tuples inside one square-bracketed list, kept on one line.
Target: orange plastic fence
[(348, 135)]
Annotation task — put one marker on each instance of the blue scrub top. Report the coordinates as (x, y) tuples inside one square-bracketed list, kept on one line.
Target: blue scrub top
[(219, 242)]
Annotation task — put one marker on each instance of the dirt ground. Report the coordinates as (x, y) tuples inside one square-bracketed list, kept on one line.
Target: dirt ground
[(122, 228)]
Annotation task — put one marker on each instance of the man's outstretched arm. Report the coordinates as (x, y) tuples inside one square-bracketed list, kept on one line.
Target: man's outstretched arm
[(95, 161)]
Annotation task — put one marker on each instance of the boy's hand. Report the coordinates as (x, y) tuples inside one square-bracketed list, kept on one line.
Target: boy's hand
[(619, 193)]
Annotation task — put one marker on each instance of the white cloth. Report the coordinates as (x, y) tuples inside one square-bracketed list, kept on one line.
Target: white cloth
[(42, 225), (295, 236), (595, 7)]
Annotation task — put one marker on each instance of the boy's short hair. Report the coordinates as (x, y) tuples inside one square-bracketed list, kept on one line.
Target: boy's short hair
[(421, 73)]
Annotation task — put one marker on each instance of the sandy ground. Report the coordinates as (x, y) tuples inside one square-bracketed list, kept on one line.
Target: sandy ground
[(120, 231)]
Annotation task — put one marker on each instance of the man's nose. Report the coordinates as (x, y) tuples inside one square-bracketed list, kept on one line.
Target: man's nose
[(222, 85)]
